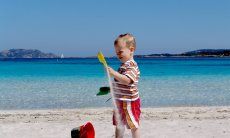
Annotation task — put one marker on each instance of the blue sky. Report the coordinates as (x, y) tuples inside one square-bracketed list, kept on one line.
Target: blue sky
[(83, 27)]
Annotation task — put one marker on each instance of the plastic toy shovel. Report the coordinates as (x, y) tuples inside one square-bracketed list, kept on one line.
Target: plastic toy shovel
[(103, 91)]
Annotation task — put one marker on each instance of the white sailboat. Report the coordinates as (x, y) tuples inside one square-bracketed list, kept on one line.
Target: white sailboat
[(62, 56)]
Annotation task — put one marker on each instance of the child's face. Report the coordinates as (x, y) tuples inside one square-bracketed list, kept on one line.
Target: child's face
[(123, 52)]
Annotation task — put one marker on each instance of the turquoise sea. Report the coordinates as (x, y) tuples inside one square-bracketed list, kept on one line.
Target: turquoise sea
[(73, 83)]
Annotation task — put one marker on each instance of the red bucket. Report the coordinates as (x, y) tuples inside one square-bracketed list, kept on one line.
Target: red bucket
[(84, 131)]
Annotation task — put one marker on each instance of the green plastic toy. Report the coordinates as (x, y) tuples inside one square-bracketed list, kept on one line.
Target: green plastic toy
[(103, 91)]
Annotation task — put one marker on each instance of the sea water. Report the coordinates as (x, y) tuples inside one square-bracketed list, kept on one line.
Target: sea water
[(74, 83)]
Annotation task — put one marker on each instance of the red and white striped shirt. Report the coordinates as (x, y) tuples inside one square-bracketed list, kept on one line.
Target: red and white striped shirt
[(128, 92)]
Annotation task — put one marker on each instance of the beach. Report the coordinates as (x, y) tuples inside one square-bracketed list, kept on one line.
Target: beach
[(180, 98), (66, 63), (173, 122)]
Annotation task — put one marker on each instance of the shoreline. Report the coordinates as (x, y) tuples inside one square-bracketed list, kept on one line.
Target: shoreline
[(155, 113), (166, 122)]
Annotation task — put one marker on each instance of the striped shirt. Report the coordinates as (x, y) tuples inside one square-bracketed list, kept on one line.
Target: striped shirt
[(128, 92)]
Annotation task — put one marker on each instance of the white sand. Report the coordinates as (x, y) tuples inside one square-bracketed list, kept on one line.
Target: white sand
[(172, 122)]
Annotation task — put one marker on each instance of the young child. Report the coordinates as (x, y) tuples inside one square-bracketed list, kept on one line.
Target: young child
[(125, 86)]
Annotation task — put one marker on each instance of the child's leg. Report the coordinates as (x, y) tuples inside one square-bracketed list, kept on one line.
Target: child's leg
[(135, 133), (119, 132)]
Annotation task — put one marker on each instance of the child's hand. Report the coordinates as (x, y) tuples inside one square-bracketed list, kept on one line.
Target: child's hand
[(119, 77), (111, 71)]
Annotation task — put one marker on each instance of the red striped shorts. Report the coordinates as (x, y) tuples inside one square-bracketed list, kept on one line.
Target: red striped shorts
[(129, 113)]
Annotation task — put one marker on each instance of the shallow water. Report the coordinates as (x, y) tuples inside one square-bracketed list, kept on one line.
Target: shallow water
[(73, 83)]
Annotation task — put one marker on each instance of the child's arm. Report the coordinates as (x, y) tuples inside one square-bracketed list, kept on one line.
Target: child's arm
[(121, 78)]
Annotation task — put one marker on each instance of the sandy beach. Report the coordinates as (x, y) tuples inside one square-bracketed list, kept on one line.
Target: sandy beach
[(170, 122)]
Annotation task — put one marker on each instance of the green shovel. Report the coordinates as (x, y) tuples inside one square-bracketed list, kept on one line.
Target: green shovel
[(103, 91)]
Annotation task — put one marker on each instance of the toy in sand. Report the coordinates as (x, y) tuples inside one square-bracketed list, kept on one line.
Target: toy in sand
[(84, 131)]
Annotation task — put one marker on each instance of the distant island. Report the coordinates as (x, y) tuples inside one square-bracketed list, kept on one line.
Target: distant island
[(195, 53), (26, 53), (34, 53)]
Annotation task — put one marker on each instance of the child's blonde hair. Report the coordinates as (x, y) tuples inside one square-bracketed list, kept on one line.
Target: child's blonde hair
[(128, 39)]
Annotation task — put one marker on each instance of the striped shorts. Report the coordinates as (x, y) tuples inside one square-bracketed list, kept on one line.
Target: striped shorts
[(129, 113)]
